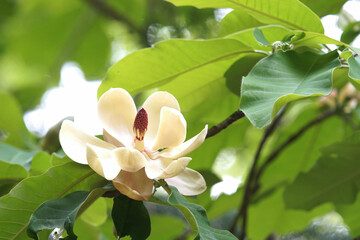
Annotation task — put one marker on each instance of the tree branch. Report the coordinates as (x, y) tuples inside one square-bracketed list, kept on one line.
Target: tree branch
[(105, 9), (290, 140), (224, 124), (248, 186)]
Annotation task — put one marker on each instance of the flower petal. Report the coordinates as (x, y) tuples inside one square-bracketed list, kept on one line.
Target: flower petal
[(166, 168), (102, 162), (172, 129), (185, 148), (134, 185), (117, 112), (110, 139), (189, 182), (73, 141), (153, 105), (130, 160)]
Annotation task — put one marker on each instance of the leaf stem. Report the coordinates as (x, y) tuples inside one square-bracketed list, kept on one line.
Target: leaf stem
[(164, 185)]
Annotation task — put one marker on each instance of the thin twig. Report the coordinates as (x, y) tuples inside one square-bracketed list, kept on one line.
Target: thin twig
[(291, 139), (105, 9), (248, 186), (224, 124)]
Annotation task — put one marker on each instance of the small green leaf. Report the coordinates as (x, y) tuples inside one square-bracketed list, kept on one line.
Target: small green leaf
[(272, 33), (57, 213), (14, 155), (293, 75), (351, 31), (196, 216), (260, 38), (130, 218), (334, 178)]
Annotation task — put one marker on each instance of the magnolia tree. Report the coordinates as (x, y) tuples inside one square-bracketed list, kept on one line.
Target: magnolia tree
[(270, 103)]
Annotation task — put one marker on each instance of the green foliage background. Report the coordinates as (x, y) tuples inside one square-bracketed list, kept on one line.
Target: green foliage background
[(295, 153)]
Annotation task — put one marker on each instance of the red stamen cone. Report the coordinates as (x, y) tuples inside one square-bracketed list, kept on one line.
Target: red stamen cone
[(140, 124)]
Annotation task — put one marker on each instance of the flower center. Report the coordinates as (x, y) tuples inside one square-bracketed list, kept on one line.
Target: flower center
[(139, 128)]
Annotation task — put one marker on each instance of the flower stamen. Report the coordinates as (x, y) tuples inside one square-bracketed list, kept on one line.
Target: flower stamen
[(139, 128)]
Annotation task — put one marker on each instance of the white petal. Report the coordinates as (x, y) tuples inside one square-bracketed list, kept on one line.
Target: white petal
[(175, 168), (73, 141), (166, 168), (110, 139), (153, 105), (130, 160), (172, 129), (117, 113), (102, 162), (154, 168), (134, 185), (189, 182), (186, 147)]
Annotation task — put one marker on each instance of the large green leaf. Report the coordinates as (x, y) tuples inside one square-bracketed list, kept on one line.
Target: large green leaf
[(17, 206), (40, 163), (196, 216), (324, 7), (131, 218), (289, 13), (191, 70), (293, 75), (235, 21), (166, 227), (315, 39), (288, 165), (11, 121), (55, 33), (270, 216), (65, 209), (350, 214), (334, 178)]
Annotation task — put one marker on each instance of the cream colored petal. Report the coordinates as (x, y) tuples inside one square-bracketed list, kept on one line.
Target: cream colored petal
[(73, 141), (189, 182), (102, 162), (110, 139), (186, 147), (154, 168), (172, 129), (134, 185), (130, 160), (153, 105), (175, 168), (117, 113), (166, 168)]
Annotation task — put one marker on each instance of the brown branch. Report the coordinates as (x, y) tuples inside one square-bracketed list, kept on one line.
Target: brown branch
[(290, 140), (224, 124), (242, 213)]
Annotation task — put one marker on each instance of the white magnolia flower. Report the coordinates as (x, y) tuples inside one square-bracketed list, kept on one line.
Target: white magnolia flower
[(139, 146)]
